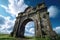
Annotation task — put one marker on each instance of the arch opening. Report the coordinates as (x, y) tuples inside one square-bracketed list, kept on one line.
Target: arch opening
[(28, 28)]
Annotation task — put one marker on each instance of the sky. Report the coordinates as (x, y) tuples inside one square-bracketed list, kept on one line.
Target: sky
[(9, 9)]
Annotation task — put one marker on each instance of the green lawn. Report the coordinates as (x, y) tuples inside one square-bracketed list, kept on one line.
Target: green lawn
[(8, 37)]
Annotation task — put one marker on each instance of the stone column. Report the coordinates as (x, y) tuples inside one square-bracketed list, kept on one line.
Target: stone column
[(38, 27)]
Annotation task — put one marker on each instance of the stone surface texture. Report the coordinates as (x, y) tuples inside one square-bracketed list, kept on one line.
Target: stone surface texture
[(40, 16)]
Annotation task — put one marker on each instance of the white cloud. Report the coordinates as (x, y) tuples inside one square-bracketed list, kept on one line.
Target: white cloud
[(15, 6), (30, 32), (57, 29), (29, 28), (53, 11), (8, 26), (4, 7)]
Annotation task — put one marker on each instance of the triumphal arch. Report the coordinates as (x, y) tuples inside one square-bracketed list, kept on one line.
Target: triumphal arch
[(39, 15)]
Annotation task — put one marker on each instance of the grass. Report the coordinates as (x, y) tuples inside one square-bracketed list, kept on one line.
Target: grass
[(8, 37), (4, 36)]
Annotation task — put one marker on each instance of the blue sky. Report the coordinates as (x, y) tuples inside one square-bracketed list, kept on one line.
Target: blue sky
[(9, 9)]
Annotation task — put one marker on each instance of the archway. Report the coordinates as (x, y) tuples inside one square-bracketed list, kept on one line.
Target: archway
[(23, 25), (36, 14)]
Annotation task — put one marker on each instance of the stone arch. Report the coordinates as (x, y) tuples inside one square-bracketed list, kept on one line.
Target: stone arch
[(33, 14), (22, 26)]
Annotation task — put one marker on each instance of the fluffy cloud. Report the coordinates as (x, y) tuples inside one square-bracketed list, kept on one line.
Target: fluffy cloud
[(7, 24), (53, 11), (57, 29), (15, 6)]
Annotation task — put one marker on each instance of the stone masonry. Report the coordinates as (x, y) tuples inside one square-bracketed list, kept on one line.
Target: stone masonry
[(40, 16)]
